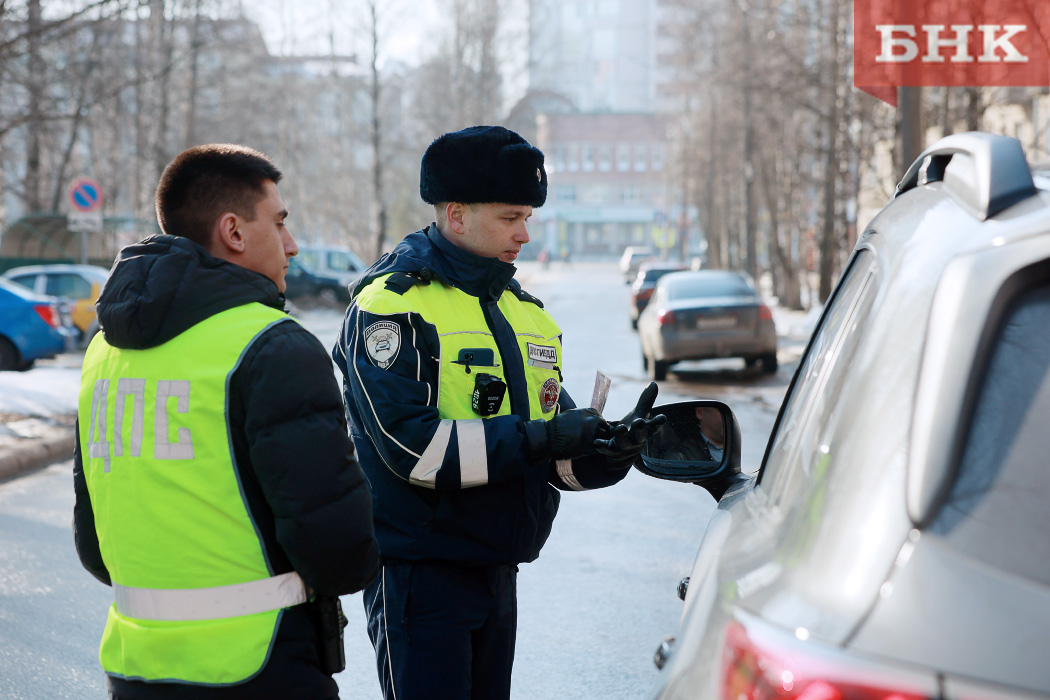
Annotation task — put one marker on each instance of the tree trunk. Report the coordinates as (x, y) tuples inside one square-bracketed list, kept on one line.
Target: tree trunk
[(33, 195), (378, 198)]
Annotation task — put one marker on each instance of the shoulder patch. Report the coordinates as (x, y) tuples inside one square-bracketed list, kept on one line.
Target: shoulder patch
[(382, 343)]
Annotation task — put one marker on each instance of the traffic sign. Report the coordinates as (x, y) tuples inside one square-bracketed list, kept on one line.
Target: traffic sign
[(85, 195)]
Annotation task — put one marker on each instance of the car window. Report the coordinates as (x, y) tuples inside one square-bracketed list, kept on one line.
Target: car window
[(704, 286), (27, 280), (341, 260), (997, 508), (794, 447), (67, 285)]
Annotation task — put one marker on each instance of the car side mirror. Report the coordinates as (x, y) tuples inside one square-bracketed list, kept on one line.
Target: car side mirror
[(698, 443)]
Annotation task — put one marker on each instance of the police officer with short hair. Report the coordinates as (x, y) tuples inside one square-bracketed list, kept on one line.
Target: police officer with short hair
[(216, 488), (453, 391)]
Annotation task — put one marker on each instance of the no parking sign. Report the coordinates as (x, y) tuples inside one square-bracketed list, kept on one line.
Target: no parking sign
[(85, 202)]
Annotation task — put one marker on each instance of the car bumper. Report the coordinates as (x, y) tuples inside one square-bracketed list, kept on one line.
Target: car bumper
[(678, 346)]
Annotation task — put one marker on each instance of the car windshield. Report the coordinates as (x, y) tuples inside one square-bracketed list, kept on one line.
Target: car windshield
[(704, 286)]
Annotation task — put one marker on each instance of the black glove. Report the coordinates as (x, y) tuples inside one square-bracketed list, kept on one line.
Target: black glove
[(630, 434), (568, 435)]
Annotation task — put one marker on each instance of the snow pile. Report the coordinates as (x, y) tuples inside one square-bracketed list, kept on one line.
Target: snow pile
[(41, 392)]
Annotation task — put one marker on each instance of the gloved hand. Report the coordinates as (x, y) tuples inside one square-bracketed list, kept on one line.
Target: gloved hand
[(629, 435), (568, 435)]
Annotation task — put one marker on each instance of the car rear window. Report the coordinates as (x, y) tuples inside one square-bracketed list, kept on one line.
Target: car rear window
[(997, 508), (720, 286), (654, 274)]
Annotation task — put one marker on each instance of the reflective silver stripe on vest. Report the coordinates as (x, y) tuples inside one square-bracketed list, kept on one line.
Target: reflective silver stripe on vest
[(183, 604), (473, 457), (426, 469)]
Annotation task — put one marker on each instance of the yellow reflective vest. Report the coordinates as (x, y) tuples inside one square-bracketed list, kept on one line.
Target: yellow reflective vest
[(196, 600)]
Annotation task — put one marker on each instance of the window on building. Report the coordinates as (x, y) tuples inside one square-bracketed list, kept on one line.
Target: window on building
[(597, 194), (557, 158), (641, 157), (565, 193), (605, 157), (623, 157), (572, 157), (659, 153), (588, 158), (632, 194)]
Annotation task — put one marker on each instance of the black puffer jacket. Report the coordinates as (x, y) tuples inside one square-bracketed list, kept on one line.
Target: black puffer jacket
[(296, 463)]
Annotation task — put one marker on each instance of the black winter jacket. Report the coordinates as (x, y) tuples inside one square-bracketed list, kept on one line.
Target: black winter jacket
[(302, 484)]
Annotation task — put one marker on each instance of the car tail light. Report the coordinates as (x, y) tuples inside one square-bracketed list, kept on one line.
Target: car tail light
[(47, 312), (765, 313), (644, 294), (665, 317), (761, 669)]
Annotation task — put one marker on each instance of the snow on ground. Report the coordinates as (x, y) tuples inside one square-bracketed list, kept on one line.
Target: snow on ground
[(45, 391)]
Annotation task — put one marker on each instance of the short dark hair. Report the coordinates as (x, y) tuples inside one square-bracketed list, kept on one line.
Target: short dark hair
[(204, 182)]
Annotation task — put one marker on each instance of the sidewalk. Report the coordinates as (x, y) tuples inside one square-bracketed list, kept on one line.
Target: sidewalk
[(30, 443), (38, 414)]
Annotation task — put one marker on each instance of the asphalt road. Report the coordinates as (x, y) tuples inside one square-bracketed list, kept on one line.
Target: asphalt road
[(592, 608)]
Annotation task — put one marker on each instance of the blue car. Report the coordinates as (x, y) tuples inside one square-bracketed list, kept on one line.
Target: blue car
[(30, 327)]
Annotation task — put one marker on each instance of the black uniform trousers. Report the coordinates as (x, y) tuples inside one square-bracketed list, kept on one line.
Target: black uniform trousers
[(443, 631)]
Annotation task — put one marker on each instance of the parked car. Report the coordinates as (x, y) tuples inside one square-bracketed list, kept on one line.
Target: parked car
[(302, 282), (336, 262), (706, 314), (633, 256), (644, 284), (77, 285), (30, 327), (893, 542)]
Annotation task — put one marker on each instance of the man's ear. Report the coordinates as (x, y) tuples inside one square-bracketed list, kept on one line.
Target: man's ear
[(454, 212), (228, 237)]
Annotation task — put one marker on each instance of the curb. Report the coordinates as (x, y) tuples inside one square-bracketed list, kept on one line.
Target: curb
[(36, 455)]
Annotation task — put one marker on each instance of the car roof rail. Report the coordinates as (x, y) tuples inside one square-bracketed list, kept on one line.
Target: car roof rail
[(992, 175)]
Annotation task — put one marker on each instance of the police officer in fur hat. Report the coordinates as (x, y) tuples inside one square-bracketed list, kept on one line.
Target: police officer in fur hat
[(453, 391)]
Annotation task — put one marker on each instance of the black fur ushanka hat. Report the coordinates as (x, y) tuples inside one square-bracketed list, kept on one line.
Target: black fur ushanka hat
[(481, 165)]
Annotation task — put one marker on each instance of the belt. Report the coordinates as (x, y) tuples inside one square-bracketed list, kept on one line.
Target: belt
[(182, 604)]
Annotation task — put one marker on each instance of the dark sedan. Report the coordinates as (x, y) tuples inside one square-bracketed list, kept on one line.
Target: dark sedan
[(303, 283), (706, 314), (645, 283)]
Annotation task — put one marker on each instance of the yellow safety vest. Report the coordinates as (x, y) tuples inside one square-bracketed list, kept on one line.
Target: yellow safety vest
[(196, 601), (460, 323)]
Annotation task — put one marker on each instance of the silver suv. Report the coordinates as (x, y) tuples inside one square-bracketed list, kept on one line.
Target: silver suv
[(895, 541)]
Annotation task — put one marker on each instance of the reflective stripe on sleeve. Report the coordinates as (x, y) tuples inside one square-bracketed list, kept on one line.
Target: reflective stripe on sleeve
[(566, 475), (426, 469), (216, 603), (473, 456)]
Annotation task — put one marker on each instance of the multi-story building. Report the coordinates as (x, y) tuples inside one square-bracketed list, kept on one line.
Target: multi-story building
[(595, 83), (608, 185)]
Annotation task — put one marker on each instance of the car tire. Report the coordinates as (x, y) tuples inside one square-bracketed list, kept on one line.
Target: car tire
[(657, 369), (8, 355), (634, 324), (769, 363), (645, 361)]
